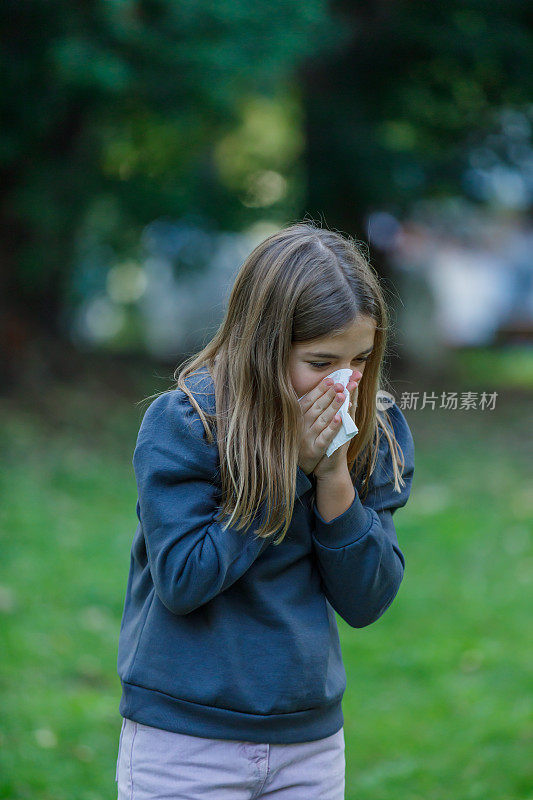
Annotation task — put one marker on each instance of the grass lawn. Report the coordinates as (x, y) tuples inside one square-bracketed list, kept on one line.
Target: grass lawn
[(438, 704)]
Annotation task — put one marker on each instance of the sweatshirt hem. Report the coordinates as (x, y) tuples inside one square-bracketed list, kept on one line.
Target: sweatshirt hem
[(157, 709)]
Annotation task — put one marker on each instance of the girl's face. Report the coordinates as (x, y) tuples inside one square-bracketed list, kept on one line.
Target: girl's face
[(312, 361)]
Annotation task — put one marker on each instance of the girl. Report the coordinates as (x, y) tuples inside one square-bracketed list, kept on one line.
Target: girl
[(250, 537)]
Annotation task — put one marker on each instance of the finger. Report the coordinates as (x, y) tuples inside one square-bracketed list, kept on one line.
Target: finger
[(327, 435), (319, 414), (323, 410), (325, 416), (308, 400)]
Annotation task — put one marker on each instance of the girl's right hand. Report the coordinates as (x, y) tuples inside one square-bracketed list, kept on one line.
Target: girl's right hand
[(319, 407)]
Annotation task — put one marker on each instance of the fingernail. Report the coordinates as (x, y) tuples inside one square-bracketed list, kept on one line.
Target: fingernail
[(328, 381)]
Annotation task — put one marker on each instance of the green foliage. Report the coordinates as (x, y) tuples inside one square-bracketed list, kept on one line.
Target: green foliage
[(165, 108), (402, 106), (126, 99)]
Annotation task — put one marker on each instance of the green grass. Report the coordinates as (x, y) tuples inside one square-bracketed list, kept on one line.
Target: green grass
[(506, 366), (438, 703)]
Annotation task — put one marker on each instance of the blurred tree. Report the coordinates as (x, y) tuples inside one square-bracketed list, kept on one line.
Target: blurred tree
[(414, 90), (124, 110), (398, 114), (122, 99)]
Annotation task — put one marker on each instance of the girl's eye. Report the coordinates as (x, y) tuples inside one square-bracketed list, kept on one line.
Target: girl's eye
[(320, 365)]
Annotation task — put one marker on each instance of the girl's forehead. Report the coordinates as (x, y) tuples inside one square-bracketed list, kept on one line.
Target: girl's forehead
[(359, 334)]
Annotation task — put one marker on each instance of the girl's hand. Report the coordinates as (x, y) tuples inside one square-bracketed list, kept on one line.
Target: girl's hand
[(337, 460), (319, 407)]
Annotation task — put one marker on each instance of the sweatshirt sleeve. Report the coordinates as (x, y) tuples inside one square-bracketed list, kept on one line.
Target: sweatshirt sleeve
[(191, 558), (359, 559)]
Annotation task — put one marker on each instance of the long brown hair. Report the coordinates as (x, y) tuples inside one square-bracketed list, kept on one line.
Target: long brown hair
[(301, 283)]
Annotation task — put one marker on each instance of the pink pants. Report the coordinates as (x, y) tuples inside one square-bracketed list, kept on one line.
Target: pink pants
[(155, 764)]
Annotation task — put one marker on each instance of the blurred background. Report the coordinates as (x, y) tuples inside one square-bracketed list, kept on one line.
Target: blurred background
[(146, 147)]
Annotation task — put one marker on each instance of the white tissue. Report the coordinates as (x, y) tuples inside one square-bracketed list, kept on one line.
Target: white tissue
[(348, 427)]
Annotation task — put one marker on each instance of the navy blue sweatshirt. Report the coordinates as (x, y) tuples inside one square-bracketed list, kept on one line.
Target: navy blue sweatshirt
[(223, 634)]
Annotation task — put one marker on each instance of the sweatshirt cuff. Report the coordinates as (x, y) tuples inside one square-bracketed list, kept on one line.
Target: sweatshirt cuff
[(346, 528), (303, 482)]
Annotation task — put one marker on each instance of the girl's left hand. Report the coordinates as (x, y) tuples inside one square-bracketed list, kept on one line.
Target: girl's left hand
[(337, 460)]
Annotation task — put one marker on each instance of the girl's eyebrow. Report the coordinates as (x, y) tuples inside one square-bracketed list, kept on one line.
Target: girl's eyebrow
[(332, 355)]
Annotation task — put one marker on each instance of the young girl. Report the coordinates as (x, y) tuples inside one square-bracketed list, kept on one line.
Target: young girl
[(250, 537)]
